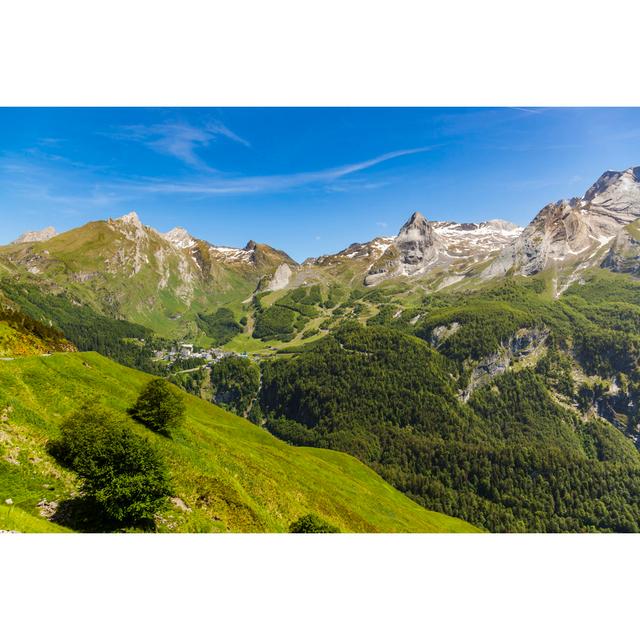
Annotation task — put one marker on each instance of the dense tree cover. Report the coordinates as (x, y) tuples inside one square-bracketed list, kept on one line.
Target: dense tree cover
[(235, 383), (275, 323), (335, 295), (184, 363), (386, 314), (125, 342), (231, 383), (512, 459), (483, 327), (557, 370), (221, 326), (596, 322), (195, 382), (160, 407), (312, 523), (358, 376), (123, 476), (287, 315)]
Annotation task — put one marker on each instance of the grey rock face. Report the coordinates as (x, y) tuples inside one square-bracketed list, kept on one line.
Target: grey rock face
[(573, 231), (417, 244), (423, 246), (36, 236)]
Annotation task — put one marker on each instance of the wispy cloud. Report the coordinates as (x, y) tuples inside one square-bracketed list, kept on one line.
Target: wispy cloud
[(253, 184), (68, 187), (180, 140), (74, 188), (534, 110)]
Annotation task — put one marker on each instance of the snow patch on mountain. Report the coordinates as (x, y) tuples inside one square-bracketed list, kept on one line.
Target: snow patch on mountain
[(231, 254)]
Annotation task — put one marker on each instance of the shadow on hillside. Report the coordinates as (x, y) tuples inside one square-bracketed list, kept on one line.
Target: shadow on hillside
[(85, 516)]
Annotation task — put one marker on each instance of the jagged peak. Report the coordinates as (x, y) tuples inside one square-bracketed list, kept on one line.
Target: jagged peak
[(179, 237), (130, 218), (610, 179), (416, 218), (36, 236)]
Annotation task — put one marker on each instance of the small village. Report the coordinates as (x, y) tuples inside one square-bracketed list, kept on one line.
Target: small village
[(190, 352)]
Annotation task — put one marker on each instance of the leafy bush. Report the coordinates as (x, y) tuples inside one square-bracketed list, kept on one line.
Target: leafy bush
[(312, 524), (159, 407), (122, 473)]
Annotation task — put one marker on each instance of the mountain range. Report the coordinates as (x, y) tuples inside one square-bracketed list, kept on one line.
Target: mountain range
[(130, 263), (487, 371)]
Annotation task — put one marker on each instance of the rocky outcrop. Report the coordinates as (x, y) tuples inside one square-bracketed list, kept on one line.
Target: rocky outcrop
[(415, 248), (522, 346), (441, 333), (571, 233), (624, 254), (280, 278), (179, 237), (422, 247), (36, 236)]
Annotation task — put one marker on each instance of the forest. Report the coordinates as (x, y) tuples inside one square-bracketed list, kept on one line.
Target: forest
[(511, 459)]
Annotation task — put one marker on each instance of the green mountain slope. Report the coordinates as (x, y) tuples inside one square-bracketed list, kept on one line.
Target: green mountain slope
[(20, 335), (124, 269), (518, 456), (227, 474)]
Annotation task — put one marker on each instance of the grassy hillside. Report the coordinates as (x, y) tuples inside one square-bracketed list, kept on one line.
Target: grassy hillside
[(20, 335), (13, 342), (227, 474), (15, 519)]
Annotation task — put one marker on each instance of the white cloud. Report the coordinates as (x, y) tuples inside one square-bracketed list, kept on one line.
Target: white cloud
[(180, 140), (254, 184)]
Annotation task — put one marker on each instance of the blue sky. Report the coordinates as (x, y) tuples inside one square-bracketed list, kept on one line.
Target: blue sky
[(306, 180)]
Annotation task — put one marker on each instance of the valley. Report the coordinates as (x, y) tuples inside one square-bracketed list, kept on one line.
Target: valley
[(488, 372)]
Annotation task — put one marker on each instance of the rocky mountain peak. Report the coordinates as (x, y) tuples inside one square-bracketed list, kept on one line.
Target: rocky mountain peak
[(612, 182), (179, 237), (130, 218), (416, 240), (36, 236), (502, 225), (250, 246), (616, 194), (416, 246), (571, 233), (416, 219)]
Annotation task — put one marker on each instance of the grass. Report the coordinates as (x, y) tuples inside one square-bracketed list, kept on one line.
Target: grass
[(13, 342), (230, 474), (15, 519)]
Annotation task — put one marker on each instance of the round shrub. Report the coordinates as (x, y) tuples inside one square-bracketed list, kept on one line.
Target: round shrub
[(160, 407)]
